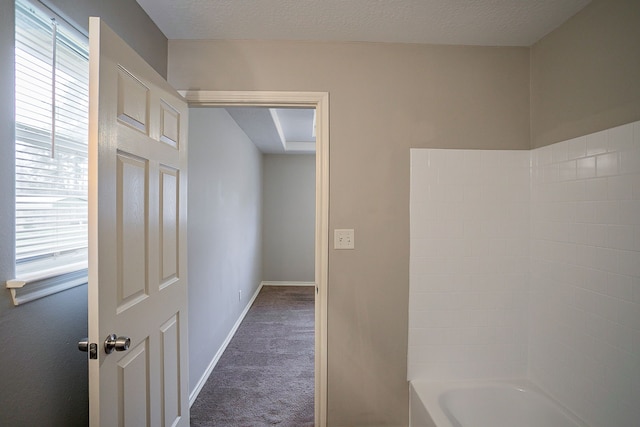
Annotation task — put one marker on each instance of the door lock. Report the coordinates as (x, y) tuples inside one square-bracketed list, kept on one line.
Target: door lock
[(114, 342), (92, 348)]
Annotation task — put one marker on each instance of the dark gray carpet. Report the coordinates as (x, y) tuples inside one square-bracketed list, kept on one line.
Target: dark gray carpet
[(265, 376)]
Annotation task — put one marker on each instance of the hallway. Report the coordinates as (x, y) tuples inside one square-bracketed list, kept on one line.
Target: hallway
[(265, 376)]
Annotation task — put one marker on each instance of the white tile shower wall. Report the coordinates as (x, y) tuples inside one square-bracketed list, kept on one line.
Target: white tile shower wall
[(585, 275), (469, 263)]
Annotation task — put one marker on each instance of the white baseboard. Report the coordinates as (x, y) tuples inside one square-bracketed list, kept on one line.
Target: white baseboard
[(194, 394), (288, 283)]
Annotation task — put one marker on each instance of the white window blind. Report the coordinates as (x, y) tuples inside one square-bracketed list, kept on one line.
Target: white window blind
[(52, 101)]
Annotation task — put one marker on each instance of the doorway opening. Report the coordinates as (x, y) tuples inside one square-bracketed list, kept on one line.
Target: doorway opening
[(318, 103)]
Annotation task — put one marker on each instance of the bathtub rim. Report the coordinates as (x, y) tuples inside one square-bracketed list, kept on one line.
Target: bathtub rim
[(430, 391)]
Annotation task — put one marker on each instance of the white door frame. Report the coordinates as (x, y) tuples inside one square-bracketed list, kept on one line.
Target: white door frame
[(319, 101)]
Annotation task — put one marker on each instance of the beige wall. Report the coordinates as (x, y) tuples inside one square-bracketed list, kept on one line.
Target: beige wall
[(384, 99), (585, 75)]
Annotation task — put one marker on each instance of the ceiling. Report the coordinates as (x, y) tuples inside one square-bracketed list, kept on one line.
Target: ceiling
[(278, 130), (466, 22)]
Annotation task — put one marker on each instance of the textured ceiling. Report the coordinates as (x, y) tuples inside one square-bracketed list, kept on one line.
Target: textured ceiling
[(467, 22)]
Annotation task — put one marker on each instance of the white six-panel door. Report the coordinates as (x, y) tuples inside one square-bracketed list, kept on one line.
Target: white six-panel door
[(137, 239)]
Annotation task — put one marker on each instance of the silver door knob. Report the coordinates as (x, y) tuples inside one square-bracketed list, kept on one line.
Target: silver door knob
[(114, 342)]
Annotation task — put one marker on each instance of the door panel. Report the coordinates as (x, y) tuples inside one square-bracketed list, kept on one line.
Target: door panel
[(170, 198), (132, 225), (170, 369), (133, 101), (137, 239), (133, 387), (170, 125)]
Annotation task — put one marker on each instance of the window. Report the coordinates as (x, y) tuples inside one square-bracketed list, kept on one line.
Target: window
[(52, 101)]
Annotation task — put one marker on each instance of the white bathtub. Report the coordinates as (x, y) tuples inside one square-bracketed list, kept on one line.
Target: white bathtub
[(485, 404)]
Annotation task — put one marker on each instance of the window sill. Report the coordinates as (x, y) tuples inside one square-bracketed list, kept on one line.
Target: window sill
[(44, 284)]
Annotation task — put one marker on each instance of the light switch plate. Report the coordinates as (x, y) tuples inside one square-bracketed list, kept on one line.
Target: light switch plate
[(343, 238)]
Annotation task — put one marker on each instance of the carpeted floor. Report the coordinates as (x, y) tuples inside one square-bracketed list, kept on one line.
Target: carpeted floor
[(265, 376)]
